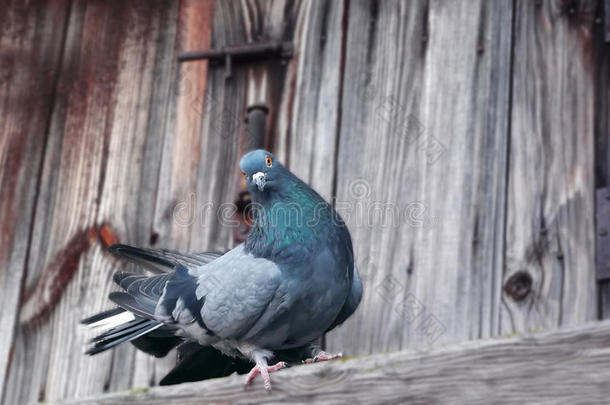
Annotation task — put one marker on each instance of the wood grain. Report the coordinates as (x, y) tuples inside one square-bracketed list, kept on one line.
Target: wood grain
[(550, 199), (565, 366), (138, 148), (176, 141), (92, 169), (31, 43), (421, 170), (456, 139), (309, 115)]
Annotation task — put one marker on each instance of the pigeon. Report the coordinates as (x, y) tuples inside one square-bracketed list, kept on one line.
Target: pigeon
[(271, 297)]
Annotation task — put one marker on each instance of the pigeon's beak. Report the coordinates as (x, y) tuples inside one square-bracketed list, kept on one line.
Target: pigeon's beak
[(259, 179)]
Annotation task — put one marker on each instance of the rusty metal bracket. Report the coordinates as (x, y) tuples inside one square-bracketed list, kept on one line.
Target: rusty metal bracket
[(256, 124), (240, 53), (602, 234)]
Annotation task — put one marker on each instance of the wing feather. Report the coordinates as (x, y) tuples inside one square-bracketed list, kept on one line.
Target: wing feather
[(162, 260), (236, 290)]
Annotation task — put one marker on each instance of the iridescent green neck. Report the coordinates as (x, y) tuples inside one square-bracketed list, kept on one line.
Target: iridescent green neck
[(294, 217)]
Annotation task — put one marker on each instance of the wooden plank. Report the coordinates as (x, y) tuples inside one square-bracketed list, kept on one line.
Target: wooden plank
[(93, 170), (127, 147), (285, 86), (602, 134), (177, 145), (421, 170), (550, 269), (31, 39), (314, 29), (132, 140), (307, 127), (565, 366)]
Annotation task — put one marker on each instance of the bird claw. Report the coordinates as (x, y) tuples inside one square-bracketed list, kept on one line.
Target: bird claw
[(263, 369), (323, 356)]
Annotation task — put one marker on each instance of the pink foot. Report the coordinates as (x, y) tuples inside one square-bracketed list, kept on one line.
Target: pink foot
[(263, 369), (323, 356)]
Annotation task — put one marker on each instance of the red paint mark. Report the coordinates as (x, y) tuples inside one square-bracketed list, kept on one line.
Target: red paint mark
[(40, 299), (108, 236)]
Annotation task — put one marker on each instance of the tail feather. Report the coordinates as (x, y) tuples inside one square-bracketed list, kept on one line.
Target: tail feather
[(135, 316), (119, 331), (127, 335), (142, 307), (102, 316), (108, 319)]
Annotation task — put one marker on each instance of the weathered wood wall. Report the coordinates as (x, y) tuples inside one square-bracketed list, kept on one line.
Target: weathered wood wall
[(461, 141), (428, 144)]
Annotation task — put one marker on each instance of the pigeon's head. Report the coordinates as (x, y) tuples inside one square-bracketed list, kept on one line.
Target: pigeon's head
[(260, 170)]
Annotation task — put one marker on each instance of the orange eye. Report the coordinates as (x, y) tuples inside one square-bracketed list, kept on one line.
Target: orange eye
[(244, 174), (268, 161)]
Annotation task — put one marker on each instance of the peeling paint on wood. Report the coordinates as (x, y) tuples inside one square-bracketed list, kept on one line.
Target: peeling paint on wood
[(40, 299)]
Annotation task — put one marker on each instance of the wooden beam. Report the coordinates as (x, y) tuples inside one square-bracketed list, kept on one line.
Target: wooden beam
[(567, 366), (96, 180), (31, 41), (421, 170), (549, 277)]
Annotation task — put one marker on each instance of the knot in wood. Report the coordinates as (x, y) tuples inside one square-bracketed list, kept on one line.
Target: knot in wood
[(519, 285)]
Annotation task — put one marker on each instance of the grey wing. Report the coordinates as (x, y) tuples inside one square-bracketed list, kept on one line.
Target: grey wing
[(236, 290), (162, 260)]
